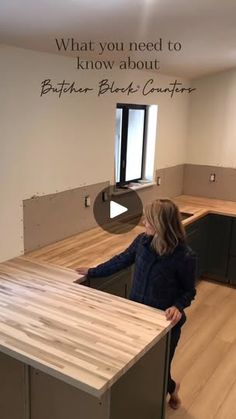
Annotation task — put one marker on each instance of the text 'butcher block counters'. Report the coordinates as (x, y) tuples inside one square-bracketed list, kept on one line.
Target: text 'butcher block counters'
[(82, 336), (96, 246)]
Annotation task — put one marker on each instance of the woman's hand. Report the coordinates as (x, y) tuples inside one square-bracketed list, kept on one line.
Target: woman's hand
[(173, 314), (82, 271)]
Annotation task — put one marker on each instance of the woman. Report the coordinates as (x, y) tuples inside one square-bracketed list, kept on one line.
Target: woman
[(164, 274)]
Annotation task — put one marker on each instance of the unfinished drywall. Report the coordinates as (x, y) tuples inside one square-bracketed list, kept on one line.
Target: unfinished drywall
[(50, 144)]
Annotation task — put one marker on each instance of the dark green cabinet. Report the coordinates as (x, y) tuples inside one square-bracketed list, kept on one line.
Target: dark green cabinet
[(219, 234), (233, 238), (116, 284), (213, 238), (197, 234), (231, 274)]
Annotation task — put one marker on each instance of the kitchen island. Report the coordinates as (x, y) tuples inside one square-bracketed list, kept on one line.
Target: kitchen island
[(72, 352)]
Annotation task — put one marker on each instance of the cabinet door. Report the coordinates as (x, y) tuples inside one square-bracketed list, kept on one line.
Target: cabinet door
[(233, 238), (14, 403), (54, 399), (204, 232), (118, 284), (193, 238), (197, 234), (232, 270), (218, 246), (232, 255)]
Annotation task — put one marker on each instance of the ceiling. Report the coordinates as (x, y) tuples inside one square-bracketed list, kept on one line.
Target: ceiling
[(206, 29)]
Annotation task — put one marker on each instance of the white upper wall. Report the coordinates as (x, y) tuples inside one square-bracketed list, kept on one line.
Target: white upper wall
[(48, 145), (212, 127)]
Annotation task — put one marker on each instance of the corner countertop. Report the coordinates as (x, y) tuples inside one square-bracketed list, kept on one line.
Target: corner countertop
[(199, 207), (84, 337)]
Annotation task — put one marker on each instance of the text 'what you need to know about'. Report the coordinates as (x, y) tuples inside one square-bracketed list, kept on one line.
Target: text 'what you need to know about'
[(71, 45)]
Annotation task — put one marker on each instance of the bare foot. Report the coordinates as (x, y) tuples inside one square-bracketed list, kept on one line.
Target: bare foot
[(175, 401)]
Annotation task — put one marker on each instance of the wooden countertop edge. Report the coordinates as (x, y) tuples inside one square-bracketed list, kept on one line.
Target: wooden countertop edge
[(134, 360), (202, 213), (195, 217), (69, 377), (77, 280), (45, 367)]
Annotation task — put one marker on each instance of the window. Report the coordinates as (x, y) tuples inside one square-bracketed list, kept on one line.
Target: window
[(135, 141), (130, 142)]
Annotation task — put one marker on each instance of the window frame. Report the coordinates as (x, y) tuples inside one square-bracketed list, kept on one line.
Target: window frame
[(124, 141)]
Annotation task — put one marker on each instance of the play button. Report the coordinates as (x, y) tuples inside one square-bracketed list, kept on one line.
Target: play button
[(117, 210)]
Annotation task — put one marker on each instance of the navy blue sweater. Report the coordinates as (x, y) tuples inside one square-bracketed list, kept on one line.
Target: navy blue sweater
[(158, 281)]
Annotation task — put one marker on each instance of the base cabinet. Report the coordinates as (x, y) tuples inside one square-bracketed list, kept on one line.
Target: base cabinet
[(140, 393), (14, 389), (118, 284), (53, 399), (213, 238), (231, 276), (219, 234), (197, 235), (233, 238)]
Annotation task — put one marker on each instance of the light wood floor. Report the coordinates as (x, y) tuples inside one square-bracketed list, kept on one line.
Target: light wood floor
[(205, 360)]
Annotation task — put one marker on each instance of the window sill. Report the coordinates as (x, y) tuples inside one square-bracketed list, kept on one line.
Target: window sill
[(134, 186)]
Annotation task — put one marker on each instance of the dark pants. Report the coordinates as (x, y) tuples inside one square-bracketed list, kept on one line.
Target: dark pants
[(174, 339), (175, 335)]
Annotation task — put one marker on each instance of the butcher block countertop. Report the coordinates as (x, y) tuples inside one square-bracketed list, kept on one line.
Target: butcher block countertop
[(82, 336), (200, 207), (95, 246)]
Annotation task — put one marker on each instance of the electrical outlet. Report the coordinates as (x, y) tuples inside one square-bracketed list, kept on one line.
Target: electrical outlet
[(158, 180), (87, 201), (212, 177), (105, 196)]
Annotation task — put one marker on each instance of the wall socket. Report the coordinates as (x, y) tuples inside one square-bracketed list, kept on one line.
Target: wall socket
[(158, 180), (212, 177), (87, 201)]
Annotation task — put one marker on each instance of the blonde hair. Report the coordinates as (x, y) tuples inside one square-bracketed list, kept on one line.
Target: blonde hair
[(164, 217)]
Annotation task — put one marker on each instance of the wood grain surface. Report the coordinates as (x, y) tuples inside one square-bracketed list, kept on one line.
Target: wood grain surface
[(82, 336), (85, 249), (199, 207), (96, 246)]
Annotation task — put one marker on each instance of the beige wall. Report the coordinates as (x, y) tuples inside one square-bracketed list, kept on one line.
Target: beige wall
[(212, 125), (49, 144)]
